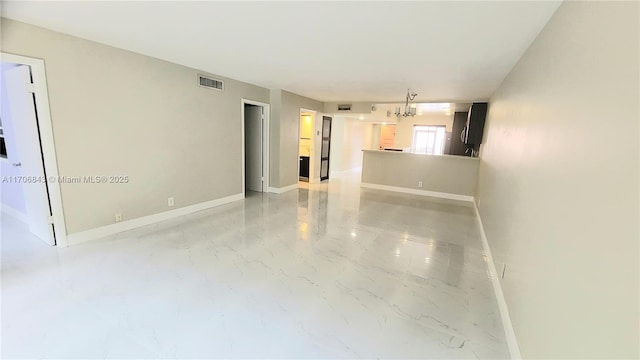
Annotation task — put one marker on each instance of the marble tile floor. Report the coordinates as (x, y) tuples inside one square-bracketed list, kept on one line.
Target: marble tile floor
[(327, 271)]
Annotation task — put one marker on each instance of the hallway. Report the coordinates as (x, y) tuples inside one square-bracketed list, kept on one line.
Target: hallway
[(327, 271)]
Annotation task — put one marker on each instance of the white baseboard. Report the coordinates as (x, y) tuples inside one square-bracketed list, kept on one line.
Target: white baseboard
[(282, 189), (509, 333), (112, 229), (16, 214), (437, 194)]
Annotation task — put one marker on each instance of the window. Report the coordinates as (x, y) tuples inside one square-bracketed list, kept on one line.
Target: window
[(3, 146), (428, 139)]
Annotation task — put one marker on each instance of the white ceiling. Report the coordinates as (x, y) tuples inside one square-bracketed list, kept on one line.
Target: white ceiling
[(330, 51)]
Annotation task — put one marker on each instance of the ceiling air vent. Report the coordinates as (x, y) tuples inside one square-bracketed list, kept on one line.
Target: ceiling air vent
[(211, 83), (344, 107)]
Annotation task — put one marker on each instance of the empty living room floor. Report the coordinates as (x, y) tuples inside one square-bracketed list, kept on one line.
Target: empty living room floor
[(326, 271)]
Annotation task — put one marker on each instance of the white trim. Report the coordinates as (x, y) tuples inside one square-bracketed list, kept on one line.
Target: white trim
[(16, 214), (119, 227), (283, 189), (266, 108), (45, 127), (509, 333), (437, 194)]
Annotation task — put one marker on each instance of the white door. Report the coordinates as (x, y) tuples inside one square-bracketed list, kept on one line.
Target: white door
[(22, 109), (253, 147)]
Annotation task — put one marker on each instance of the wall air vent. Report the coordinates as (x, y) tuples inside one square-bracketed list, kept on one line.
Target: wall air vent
[(344, 107), (211, 83)]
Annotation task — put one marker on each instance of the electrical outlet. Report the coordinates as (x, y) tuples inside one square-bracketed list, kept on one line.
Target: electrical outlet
[(170, 201), (420, 184), (118, 216)]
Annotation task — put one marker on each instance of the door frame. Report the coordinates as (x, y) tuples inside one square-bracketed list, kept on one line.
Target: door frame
[(265, 143), (47, 144)]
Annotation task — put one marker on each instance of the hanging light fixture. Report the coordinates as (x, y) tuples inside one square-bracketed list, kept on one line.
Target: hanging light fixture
[(408, 109)]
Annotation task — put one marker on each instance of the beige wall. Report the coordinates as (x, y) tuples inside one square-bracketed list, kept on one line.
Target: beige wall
[(306, 126), (404, 127), (306, 134), (558, 185), (375, 136), (337, 145), (284, 135), (275, 98), (349, 138), (387, 137), (357, 137), (441, 173), (115, 112)]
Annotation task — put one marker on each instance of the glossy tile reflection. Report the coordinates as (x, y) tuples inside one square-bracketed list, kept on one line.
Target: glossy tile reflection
[(328, 271)]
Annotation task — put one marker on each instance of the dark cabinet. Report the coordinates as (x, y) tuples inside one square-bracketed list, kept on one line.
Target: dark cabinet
[(304, 166), (458, 147), (475, 125)]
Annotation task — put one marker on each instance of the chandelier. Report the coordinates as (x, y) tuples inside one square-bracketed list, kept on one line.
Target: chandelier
[(408, 109)]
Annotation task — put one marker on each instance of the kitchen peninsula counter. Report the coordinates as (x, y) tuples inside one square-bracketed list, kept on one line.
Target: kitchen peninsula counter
[(446, 176)]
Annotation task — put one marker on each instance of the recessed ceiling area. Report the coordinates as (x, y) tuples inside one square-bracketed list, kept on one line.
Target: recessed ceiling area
[(329, 51), (385, 113), (427, 108)]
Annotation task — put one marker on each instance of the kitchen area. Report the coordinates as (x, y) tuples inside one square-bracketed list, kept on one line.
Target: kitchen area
[(422, 148), (431, 149)]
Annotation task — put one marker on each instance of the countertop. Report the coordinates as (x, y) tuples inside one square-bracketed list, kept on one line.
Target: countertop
[(403, 153)]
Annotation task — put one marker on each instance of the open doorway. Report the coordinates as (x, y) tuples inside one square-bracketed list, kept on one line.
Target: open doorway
[(313, 147), (30, 186), (387, 136), (306, 145), (255, 137)]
